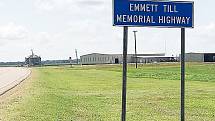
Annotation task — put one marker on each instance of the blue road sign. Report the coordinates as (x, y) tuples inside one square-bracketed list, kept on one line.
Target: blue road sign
[(176, 14)]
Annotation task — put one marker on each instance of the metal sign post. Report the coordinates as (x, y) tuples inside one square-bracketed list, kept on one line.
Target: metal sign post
[(182, 74), (124, 78)]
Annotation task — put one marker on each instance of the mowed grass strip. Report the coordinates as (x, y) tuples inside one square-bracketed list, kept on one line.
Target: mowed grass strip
[(93, 93)]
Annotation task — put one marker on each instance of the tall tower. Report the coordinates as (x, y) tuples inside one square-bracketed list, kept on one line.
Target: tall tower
[(32, 52), (76, 53)]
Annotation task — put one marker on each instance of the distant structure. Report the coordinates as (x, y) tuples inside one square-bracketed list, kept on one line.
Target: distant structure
[(200, 57), (97, 58), (60, 62), (33, 60), (76, 53)]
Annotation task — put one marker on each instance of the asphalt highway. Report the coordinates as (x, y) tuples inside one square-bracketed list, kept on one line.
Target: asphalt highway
[(12, 76)]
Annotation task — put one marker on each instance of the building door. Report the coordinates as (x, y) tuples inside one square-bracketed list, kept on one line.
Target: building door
[(116, 61)]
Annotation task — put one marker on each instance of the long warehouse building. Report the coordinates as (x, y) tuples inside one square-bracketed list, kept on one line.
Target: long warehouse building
[(97, 58)]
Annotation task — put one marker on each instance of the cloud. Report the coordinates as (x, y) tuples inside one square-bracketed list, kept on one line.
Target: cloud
[(49, 5), (208, 30), (41, 39), (11, 31), (19, 35), (53, 5), (203, 32), (45, 4), (90, 2), (201, 38)]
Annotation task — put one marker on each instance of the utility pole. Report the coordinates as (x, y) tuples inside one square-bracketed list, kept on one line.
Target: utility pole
[(135, 42), (76, 53)]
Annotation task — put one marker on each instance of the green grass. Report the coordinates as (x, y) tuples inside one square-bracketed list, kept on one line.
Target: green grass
[(93, 93)]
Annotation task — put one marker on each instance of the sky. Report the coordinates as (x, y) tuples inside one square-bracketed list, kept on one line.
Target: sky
[(55, 28)]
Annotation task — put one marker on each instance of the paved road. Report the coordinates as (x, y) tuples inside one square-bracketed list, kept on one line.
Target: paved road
[(12, 76)]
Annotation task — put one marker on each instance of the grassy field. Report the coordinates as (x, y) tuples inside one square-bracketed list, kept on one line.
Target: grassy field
[(93, 93)]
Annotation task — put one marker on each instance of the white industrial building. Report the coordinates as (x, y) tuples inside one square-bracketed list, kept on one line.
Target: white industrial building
[(97, 58)]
